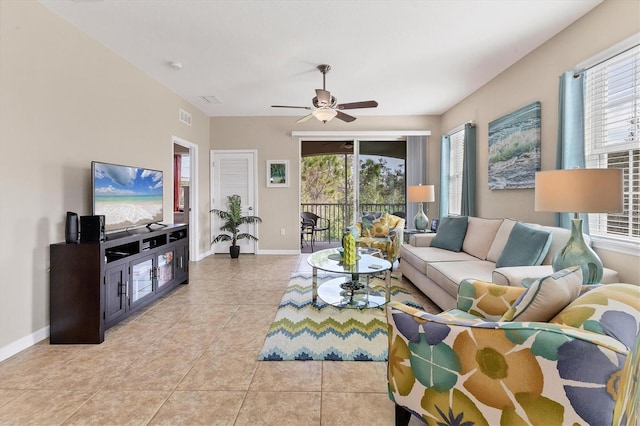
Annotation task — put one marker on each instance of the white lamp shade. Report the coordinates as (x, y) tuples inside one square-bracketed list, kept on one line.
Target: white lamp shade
[(324, 114), (421, 194), (579, 191)]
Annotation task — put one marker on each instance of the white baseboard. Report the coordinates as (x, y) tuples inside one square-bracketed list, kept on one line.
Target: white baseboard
[(203, 255), (25, 342)]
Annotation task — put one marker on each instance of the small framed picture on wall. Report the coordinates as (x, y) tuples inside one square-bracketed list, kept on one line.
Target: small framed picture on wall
[(278, 173)]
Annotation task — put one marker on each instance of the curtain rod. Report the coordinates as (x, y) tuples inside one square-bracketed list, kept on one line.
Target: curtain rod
[(581, 71), (613, 51), (460, 127)]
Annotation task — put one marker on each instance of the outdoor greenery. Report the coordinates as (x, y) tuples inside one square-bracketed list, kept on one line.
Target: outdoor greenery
[(329, 179)]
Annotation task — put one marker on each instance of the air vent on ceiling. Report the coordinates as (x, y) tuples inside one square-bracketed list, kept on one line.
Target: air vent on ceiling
[(211, 99), (185, 117)]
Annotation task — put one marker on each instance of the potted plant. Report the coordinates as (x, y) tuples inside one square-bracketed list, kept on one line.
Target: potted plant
[(233, 218)]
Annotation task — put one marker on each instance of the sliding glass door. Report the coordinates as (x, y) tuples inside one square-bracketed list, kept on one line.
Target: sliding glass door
[(341, 179)]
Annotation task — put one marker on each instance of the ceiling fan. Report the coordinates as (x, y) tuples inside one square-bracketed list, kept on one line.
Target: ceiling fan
[(326, 106)]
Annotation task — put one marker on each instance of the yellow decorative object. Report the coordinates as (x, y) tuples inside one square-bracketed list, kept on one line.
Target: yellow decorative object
[(349, 244)]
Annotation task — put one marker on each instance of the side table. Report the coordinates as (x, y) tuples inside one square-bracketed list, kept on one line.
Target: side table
[(409, 232)]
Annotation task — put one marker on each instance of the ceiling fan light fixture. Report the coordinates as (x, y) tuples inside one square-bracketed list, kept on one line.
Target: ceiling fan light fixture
[(324, 114)]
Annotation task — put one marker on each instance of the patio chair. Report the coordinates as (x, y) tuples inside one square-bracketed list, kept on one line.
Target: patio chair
[(306, 228), (312, 224), (382, 231)]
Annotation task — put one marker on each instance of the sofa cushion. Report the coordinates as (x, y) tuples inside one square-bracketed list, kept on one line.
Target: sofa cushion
[(546, 296), (497, 246), (526, 246), (419, 257), (449, 275), (559, 238), (480, 234), (513, 275), (610, 309), (451, 232)]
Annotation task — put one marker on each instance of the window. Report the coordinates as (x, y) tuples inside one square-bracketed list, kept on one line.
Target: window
[(456, 157), (612, 127)]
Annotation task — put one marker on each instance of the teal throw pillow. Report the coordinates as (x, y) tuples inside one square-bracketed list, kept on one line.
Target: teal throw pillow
[(451, 232), (526, 246)]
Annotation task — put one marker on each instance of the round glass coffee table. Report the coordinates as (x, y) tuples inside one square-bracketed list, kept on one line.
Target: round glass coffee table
[(350, 290)]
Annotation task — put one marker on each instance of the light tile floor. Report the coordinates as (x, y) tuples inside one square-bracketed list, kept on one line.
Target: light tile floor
[(190, 358)]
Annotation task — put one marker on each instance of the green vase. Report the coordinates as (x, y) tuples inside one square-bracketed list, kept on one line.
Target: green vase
[(578, 253), (349, 243), (421, 221)]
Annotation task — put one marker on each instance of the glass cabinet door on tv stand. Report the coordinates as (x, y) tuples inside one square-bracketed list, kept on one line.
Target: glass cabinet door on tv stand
[(164, 268), (142, 274)]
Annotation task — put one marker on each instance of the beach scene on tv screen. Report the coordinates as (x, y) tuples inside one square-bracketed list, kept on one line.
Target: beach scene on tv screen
[(127, 196)]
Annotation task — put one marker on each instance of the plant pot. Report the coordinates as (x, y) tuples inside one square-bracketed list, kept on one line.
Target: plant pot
[(234, 251)]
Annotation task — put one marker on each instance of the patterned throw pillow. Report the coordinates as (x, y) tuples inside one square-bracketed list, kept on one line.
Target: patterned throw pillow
[(377, 227), (546, 296)]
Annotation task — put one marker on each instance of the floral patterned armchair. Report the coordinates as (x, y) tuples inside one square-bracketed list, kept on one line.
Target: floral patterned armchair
[(472, 366), (382, 231)]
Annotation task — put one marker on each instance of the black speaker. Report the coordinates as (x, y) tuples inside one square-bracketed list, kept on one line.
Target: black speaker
[(92, 228), (71, 228)]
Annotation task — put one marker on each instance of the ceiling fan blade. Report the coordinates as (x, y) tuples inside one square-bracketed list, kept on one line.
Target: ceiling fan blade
[(305, 118), (324, 96), (289, 106), (354, 105), (345, 117)]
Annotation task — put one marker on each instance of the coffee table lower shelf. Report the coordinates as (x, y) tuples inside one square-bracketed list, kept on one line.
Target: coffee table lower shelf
[(339, 292)]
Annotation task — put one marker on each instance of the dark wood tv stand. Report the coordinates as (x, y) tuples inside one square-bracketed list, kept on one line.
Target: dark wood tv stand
[(95, 285)]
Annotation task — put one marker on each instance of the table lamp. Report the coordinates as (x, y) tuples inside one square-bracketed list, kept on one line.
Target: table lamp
[(579, 191), (419, 194)]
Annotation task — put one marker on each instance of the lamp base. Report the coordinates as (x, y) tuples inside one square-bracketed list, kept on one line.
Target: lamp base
[(577, 252), (421, 221)]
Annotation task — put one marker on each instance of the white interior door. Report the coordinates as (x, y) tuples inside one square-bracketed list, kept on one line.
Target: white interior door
[(194, 246), (234, 172)]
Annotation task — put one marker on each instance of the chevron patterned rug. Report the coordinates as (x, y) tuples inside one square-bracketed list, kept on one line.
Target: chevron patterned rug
[(303, 331)]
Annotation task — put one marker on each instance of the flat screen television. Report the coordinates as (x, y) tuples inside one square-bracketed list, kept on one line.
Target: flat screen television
[(127, 196)]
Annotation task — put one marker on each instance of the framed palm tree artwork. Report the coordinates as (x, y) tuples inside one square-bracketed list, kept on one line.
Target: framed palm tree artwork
[(277, 173)]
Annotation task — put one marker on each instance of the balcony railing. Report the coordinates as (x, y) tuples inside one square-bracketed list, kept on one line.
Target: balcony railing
[(341, 215)]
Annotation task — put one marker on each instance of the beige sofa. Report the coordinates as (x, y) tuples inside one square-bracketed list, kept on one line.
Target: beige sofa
[(438, 272)]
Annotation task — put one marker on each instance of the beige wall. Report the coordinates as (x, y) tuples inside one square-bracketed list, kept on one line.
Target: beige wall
[(536, 78), (271, 137), (65, 101)]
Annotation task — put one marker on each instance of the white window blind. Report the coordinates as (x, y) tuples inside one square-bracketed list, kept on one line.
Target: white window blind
[(612, 127), (456, 146)]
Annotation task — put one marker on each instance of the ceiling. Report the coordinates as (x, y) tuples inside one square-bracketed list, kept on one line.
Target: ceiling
[(413, 57)]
